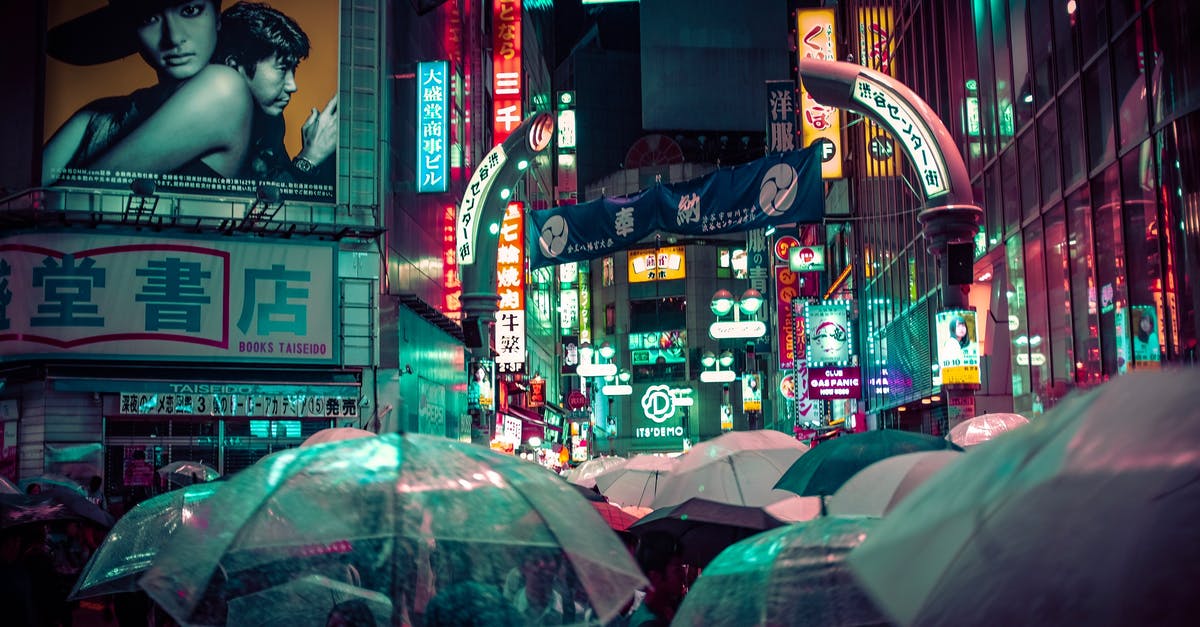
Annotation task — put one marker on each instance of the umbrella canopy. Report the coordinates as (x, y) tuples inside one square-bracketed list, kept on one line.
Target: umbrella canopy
[(704, 528), (391, 510), (8, 487), (1084, 517), (793, 575), (52, 481), (335, 434), (616, 517), (184, 473), (585, 474), (876, 489), (50, 505), (306, 602), (795, 508), (824, 469), (738, 467), (984, 427), (130, 547), (636, 482)]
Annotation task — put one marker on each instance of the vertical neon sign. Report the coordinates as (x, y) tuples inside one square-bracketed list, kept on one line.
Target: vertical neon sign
[(510, 281), (506, 68), (433, 130)]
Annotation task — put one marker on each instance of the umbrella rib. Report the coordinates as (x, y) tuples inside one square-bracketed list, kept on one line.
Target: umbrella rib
[(736, 481)]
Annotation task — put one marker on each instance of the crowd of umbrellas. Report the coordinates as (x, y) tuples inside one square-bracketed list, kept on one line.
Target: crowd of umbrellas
[(1082, 516)]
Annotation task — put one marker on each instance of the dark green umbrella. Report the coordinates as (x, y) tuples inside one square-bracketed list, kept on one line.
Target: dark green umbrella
[(823, 469)]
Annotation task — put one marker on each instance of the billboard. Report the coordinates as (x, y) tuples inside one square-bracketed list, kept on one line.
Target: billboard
[(92, 295), (190, 100), (958, 347), (827, 329), (433, 128), (656, 264), (510, 283), (506, 68), (820, 124)]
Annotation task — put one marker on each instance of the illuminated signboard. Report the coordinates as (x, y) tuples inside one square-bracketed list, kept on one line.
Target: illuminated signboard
[(827, 330), (806, 258), (451, 280), (781, 116), (658, 347), (751, 392), (482, 391), (876, 50), (958, 347), (92, 58), (819, 123), (787, 288), (1144, 325), (467, 218), (910, 128), (433, 129), (660, 423), (510, 283), (566, 129), (831, 382), (656, 264), (506, 68)]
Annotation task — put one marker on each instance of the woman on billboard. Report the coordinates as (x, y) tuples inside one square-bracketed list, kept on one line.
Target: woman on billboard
[(958, 345), (195, 120)]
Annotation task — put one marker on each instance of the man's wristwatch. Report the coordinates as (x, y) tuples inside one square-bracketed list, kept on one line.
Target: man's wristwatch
[(304, 165)]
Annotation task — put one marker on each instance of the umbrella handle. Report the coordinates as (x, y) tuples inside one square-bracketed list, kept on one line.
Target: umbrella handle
[(824, 509)]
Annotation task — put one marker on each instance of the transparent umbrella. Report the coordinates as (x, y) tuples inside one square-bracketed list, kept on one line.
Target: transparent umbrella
[(306, 602), (636, 482), (51, 481), (407, 516), (1084, 517), (585, 474), (130, 547), (791, 575), (8, 487), (984, 427), (336, 434), (185, 473), (739, 467)]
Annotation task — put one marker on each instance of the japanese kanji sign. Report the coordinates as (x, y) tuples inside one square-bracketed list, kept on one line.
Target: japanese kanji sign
[(907, 126), (433, 129), (506, 68), (510, 285), (820, 124), (94, 295)]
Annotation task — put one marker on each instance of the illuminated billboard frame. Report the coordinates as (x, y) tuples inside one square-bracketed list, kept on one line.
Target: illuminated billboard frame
[(103, 84), (958, 355)]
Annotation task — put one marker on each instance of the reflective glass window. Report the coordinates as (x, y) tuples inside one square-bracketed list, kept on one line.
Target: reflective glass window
[(1071, 136), (1048, 155), (1018, 325), (1059, 347), (1036, 340), (1129, 86), (1022, 76), (1084, 297), (1029, 174), (1110, 266), (1142, 239), (1043, 51), (1098, 107)]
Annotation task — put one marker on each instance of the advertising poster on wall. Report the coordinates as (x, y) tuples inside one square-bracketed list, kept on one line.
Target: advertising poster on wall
[(958, 347), (1144, 325), (751, 392), (827, 330), (195, 101)]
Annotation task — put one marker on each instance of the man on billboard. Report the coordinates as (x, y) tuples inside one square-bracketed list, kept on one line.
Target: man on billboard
[(265, 47), (194, 120)]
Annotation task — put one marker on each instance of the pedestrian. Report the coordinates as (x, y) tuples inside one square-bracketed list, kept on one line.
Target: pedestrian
[(139, 475), (350, 613), (95, 492), (660, 557)]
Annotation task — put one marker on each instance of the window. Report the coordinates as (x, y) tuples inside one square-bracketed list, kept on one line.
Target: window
[(731, 263), (1059, 345), (658, 314), (658, 355), (1110, 269), (1098, 107)]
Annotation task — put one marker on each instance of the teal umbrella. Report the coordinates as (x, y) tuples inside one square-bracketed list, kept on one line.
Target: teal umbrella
[(130, 547), (823, 469)]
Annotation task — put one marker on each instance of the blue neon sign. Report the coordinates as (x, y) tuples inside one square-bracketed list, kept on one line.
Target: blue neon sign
[(433, 135)]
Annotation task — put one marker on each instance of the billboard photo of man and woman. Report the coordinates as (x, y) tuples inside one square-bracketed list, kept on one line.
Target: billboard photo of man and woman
[(200, 96)]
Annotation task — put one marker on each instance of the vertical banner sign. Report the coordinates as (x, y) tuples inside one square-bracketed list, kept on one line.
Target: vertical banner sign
[(751, 392), (506, 68), (876, 50), (827, 334), (958, 347), (781, 116), (787, 289), (510, 282), (758, 270), (806, 409), (451, 279), (819, 124), (433, 129), (585, 303)]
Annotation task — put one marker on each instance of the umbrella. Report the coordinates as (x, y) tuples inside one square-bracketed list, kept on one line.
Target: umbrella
[(1084, 517), (589, 493), (130, 547), (984, 427), (8, 487), (52, 481), (703, 528), (585, 473), (335, 434), (636, 481), (823, 470), (184, 473), (793, 575), (738, 467), (390, 509), (49, 505), (876, 489), (616, 517), (305, 602), (795, 508)]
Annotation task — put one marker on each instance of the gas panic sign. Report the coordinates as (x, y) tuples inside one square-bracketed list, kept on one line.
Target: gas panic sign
[(835, 383)]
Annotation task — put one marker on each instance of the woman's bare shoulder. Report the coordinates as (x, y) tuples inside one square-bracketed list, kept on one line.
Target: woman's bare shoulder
[(221, 79)]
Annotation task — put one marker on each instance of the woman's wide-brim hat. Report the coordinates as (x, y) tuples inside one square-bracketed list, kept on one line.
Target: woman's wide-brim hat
[(104, 35)]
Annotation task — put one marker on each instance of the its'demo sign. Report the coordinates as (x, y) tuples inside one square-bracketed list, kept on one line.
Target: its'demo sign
[(659, 403)]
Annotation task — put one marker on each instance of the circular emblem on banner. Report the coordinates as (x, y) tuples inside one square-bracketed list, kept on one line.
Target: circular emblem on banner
[(553, 238), (777, 191), (783, 245), (882, 148)]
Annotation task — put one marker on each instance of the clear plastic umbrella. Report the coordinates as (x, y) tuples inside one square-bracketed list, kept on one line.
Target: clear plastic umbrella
[(876, 489), (185, 473), (636, 482), (409, 515), (585, 474), (336, 434), (791, 575), (738, 467), (8, 487), (307, 602), (1084, 517), (130, 547), (984, 427)]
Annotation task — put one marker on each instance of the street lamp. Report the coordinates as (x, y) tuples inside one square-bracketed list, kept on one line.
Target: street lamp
[(748, 305)]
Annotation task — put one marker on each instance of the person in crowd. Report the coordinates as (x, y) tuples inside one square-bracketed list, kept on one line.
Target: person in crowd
[(350, 613), (16, 591), (266, 47), (533, 594), (95, 492), (195, 120), (139, 475), (660, 558), (471, 604)]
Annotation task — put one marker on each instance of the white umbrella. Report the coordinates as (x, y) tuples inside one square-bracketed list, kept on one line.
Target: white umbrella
[(585, 474), (636, 482), (1084, 517), (984, 427), (738, 467), (876, 489)]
